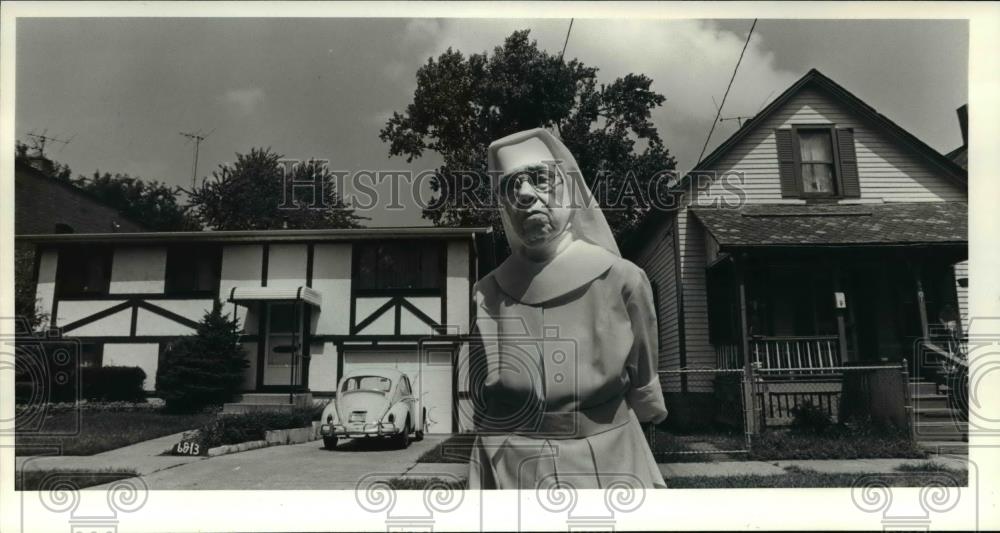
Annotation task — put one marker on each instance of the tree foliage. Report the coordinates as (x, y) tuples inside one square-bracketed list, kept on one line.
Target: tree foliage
[(203, 369), (462, 103), (250, 194), (152, 203)]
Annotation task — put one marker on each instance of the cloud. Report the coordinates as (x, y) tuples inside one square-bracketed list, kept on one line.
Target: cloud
[(689, 61), (243, 101)]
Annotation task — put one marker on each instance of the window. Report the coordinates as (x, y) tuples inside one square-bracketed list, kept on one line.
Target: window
[(372, 383), (816, 166), (817, 161), (404, 386), (83, 271), (193, 269), (91, 355), (399, 265)]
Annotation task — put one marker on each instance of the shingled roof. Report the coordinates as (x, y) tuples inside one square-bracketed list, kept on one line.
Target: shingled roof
[(831, 224)]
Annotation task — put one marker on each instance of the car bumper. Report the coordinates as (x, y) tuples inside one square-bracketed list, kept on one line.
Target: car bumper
[(352, 431)]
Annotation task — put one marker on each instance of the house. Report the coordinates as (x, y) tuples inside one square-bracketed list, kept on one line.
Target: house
[(960, 156), (45, 204), (821, 234), (312, 303)]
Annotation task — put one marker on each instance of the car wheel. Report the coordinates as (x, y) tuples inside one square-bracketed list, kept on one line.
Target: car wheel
[(419, 435), (330, 443), (403, 439)]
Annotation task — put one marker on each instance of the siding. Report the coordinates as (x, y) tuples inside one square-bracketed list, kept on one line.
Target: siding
[(887, 173), (962, 271), (657, 259)]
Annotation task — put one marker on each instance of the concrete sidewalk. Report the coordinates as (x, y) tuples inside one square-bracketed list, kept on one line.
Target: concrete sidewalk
[(143, 457), (735, 468)]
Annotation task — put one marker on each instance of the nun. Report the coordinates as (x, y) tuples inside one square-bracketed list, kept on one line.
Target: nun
[(565, 337)]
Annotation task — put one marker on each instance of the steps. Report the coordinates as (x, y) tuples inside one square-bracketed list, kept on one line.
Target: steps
[(259, 401), (938, 427)]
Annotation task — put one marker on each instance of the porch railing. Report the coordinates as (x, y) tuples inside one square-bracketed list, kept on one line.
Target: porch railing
[(784, 353)]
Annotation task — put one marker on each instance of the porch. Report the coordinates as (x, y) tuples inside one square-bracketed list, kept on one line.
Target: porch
[(825, 303)]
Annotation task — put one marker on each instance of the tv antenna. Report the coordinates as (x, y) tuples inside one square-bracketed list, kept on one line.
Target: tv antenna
[(739, 119), (39, 141), (197, 137)]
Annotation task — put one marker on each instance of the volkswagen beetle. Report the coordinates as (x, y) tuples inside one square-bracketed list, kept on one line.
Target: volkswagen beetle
[(373, 403)]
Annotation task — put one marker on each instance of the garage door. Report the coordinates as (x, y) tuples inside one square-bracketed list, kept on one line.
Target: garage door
[(431, 379)]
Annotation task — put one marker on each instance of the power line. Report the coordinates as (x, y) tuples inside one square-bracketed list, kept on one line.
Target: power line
[(567, 39), (730, 86)]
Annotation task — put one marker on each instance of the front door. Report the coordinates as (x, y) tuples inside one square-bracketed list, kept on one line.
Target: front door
[(283, 345)]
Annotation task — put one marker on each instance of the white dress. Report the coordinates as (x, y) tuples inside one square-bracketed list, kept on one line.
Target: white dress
[(565, 372)]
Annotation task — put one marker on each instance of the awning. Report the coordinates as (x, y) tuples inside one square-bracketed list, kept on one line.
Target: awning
[(245, 295), (930, 223)]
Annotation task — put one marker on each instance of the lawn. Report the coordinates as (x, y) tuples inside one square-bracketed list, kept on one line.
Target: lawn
[(797, 478), (94, 431), (838, 442), (46, 479), (922, 475)]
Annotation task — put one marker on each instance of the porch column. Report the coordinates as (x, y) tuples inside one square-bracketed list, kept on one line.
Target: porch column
[(840, 311), (921, 302), (749, 397)]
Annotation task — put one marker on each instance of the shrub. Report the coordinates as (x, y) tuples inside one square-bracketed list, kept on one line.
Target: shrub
[(244, 427), (808, 418), (204, 369), (113, 383)]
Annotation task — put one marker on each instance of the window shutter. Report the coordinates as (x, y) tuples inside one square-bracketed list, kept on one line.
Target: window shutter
[(786, 162), (849, 184)]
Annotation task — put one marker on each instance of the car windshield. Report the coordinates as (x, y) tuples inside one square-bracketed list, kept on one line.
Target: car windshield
[(371, 383)]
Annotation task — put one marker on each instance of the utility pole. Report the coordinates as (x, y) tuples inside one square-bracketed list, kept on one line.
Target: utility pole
[(197, 137)]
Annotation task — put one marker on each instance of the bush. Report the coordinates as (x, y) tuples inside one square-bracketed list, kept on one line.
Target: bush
[(244, 427), (808, 418), (113, 383), (204, 369), (102, 384)]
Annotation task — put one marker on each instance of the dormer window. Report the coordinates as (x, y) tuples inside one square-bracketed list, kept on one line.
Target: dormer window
[(816, 165), (817, 161)]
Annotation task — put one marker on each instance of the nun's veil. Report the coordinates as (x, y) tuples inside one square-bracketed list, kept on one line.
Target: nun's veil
[(587, 222)]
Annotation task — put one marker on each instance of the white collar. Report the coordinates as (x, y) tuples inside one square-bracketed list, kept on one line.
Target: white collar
[(533, 282)]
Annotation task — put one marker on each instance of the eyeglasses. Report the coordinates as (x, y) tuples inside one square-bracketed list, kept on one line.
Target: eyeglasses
[(543, 179)]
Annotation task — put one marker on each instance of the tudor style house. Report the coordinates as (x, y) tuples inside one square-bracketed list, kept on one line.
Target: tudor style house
[(821, 234), (312, 303)]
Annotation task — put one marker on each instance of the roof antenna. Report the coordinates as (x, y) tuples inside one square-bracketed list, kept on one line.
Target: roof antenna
[(40, 140), (197, 137)]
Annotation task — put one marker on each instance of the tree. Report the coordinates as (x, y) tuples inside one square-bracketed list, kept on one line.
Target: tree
[(25, 303), (150, 202), (462, 104), (205, 368), (250, 194)]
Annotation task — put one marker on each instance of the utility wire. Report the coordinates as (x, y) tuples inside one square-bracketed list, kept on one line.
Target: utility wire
[(567, 39), (730, 86)]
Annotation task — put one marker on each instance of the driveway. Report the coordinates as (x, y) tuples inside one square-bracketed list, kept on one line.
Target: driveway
[(298, 466)]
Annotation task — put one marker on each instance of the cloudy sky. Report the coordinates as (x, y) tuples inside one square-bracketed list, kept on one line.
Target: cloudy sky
[(123, 89)]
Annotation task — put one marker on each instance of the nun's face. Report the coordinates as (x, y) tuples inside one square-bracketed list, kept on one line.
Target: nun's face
[(536, 200)]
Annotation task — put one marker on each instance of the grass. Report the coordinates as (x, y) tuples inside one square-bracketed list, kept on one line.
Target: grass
[(838, 442), (797, 478), (93, 431), (454, 449), (49, 479), (922, 475), (422, 483)]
